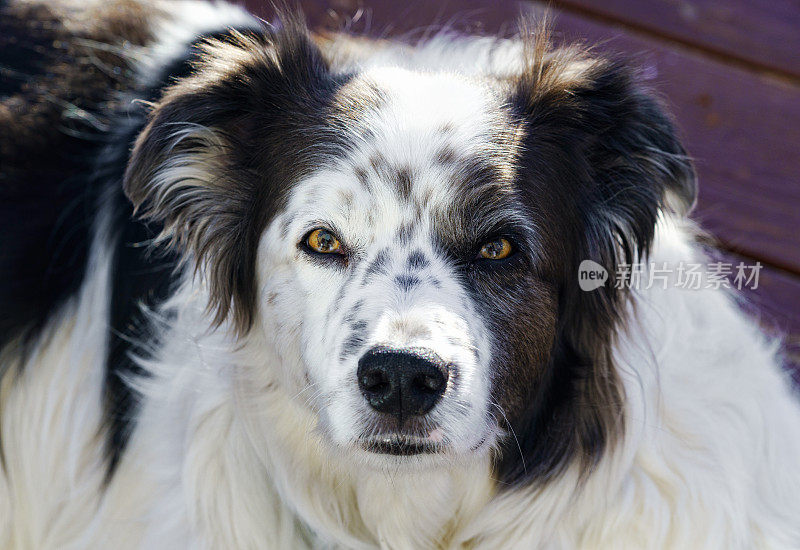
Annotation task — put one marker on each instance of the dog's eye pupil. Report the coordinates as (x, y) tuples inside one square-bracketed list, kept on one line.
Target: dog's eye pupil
[(323, 241), (496, 250), (326, 241)]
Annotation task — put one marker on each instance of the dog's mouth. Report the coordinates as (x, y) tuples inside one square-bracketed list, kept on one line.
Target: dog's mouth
[(399, 445)]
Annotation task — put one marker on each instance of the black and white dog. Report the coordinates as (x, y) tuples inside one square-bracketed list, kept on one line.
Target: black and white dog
[(262, 289)]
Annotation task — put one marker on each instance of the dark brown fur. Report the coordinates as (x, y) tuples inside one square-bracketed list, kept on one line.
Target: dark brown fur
[(62, 75), (599, 158)]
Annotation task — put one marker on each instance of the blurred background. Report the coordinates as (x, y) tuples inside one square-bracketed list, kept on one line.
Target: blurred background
[(729, 70)]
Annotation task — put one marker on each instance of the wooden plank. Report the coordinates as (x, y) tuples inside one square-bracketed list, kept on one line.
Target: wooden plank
[(764, 34), (410, 18)]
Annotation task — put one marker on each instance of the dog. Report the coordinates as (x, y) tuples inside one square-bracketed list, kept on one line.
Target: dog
[(263, 288)]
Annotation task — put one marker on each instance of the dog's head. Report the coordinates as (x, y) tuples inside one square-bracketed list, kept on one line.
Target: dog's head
[(409, 242)]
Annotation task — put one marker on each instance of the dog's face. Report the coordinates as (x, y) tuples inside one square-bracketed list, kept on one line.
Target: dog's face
[(405, 264), (408, 243)]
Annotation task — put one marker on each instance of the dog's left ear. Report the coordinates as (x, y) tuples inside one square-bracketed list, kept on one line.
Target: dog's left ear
[(600, 163), (220, 149)]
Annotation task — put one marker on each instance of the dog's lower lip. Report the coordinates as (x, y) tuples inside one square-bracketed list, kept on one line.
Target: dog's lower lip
[(399, 446)]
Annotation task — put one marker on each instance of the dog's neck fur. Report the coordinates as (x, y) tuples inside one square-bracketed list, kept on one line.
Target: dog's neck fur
[(244, 466)]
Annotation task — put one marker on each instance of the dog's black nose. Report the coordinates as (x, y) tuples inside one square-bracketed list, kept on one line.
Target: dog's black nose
[(402, 382)]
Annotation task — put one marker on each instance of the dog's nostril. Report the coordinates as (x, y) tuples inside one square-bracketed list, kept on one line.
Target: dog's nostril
[(373, 381), (430, 383), (402, 382)]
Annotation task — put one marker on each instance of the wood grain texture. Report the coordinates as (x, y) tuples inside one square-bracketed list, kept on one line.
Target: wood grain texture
[(764, 34)]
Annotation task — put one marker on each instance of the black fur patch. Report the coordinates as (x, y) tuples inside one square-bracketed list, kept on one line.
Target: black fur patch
[(403, 180), (353, 311), (363, 178), (53, 129), (417, 260), (405, 233), (446, 156), (352, 344), (141, 276), (406, 282), (599, 157), (378, 265)]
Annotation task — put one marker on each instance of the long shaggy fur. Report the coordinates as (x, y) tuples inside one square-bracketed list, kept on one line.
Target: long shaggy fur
[(180, 367)]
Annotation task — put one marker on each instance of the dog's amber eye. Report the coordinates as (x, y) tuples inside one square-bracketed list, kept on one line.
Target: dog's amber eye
[(496, 249), (323, 241)]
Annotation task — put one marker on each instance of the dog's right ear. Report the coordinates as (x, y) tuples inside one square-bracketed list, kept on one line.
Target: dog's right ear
[(602, 163), (221, 147)]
